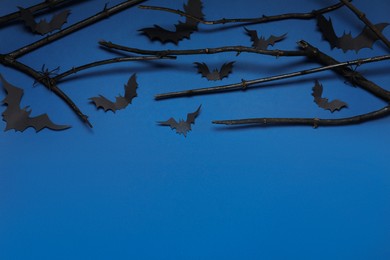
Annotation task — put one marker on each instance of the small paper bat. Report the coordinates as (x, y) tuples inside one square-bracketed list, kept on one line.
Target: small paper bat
[(323, 102), (120, 101), (43, 27), (182, 127), (262, 43), (182, 30), (19, 118), (346, 42), (225, 70)]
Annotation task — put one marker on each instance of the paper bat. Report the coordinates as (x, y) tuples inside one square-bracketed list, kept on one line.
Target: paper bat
[(182, 127), (120, 101), (262, 43), (323, 102), (19, 118), (182, 30), (43, 27), (346, 42), (225, 70)]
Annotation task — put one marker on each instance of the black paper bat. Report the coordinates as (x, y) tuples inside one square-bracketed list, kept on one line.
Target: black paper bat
[(262, 43), (43, 27), (346, 42), (182, 127), (182, 30), (323, 102), (19, 118), (120, 101), (225, 70)]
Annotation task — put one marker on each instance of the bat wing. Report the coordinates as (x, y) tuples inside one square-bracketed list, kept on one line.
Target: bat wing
[(323, 102), (131, 88), (43, 121), (226, 69), (326, 28), (102, 102), (28, 18), (317, 91), (171, 122), (254, 37), (55, 23), (335, 105), (160, 34), (191, 117), (203, 69), (273, 39), (194, 8), (365, 39), (130, 93), (19, 119)]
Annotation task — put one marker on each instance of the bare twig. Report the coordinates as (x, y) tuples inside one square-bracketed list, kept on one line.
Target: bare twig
[(104, 62), (263, 19), (315, 122), (237, 49), (370, 25), (246, 83), (80, 25)]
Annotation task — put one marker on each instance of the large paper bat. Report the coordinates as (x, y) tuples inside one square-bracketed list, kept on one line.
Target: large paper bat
[(19, 118), (182, 127), (261, 43), (346, 42), (182, 30), (216, 74), (121, 102), (323, 102), (43, 27)]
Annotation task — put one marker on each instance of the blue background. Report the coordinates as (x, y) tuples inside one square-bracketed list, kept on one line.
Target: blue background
[(130, 189)]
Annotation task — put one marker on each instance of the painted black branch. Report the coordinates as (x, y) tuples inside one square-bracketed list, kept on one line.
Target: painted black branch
[(369, 24), (35, 8), (352, 76), (104, 62), (246, 83), (46, 81), (263, 19), (80, 25), (237, 49), (315, 122)]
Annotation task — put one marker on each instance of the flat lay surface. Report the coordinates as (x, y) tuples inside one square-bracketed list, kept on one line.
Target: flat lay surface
[(133, 188)]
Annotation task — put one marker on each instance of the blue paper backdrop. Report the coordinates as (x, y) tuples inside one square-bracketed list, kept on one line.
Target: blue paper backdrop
[(130, 189)]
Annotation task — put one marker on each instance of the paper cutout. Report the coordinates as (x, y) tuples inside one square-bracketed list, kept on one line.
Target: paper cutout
[(182, 127), (183, 30), (214, 75), (346, 42), (19, 118), (120, 101), (323, 102), (43, 27), (261, 43)]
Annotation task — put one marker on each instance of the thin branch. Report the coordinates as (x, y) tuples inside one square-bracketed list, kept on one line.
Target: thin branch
[(364, 19), (315, 122), (237, 49), (105, 13), (46, 81), (246, 83), (104, 62), (263, 19)]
